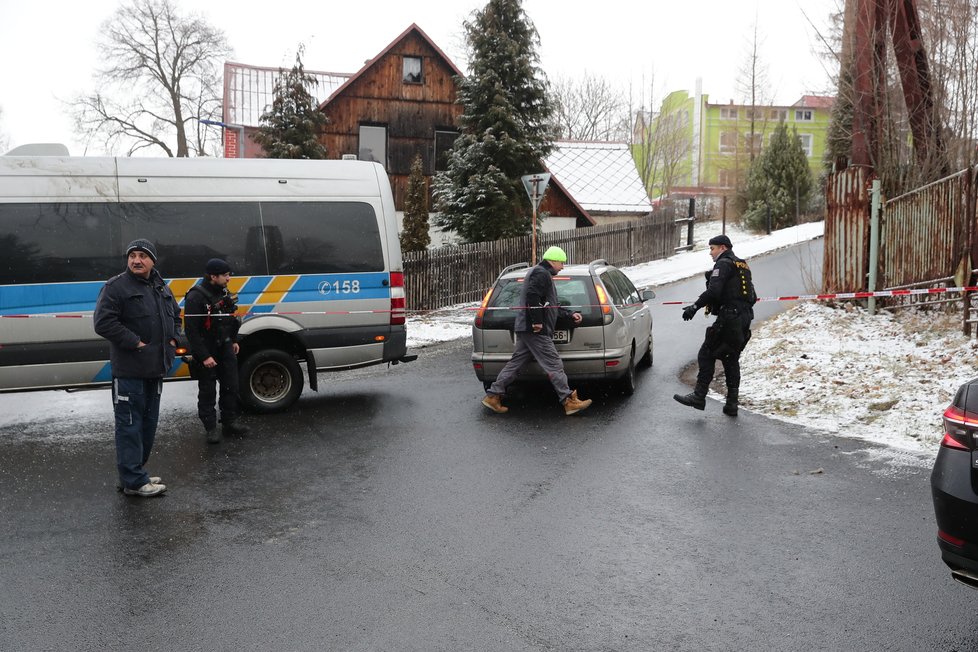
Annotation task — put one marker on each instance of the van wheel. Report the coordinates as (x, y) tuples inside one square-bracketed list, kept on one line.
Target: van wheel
[(646, 360), (626, 384), (270, 380)]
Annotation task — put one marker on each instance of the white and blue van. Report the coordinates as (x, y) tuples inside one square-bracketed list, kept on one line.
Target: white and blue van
[(313, 245)]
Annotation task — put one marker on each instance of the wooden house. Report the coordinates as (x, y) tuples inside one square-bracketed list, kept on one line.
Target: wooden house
[(401, 103)]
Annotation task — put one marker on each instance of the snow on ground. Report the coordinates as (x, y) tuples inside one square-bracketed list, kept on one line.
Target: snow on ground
[(886, 378), (834, 369)]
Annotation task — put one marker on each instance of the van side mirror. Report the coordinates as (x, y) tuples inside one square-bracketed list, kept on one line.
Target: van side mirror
[(647, 295)]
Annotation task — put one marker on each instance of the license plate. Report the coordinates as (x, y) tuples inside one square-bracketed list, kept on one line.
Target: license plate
[(559, 337)]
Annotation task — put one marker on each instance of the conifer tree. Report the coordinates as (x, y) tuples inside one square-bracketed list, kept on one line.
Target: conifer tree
[(507, 128), (415, 235), (290, 128), (779, 180)]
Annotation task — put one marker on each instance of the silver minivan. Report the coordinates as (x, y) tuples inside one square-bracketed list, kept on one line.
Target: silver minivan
[(613, 338)]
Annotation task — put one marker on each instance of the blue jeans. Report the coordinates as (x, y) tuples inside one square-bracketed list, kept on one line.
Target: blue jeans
[(136, 402)]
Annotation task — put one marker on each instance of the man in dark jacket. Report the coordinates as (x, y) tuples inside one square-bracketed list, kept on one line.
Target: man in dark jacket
[(212, 330), (534, 330), (137, 314), (730, 297)]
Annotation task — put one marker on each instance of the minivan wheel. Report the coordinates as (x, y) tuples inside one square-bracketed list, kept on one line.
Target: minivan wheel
[(626, 384), (270, 381)]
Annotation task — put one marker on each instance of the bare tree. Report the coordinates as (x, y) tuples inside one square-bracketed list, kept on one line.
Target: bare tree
[(752, 85), (161, 74), (951, 39), (661, 141), (590, 109)]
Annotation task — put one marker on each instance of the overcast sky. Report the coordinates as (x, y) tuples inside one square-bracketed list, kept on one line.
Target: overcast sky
[(48, 54)]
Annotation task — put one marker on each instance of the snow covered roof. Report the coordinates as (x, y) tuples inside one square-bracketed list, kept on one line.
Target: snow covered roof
[(816, 101), (248, 90), (600, 176)]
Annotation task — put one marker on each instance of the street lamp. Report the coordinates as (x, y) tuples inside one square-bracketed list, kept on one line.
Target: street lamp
[(239, 128)]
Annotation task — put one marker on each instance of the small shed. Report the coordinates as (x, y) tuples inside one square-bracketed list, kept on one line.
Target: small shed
[(602, 179)]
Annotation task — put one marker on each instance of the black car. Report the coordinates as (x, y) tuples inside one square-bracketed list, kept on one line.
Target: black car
[(954, 485)]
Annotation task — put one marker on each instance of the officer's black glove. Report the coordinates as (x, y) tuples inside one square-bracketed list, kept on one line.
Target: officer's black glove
[(689, 312)]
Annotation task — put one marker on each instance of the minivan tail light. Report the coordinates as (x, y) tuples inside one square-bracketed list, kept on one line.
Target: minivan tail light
[(959, 428), (606, 312), (397, 299), (480, 313)]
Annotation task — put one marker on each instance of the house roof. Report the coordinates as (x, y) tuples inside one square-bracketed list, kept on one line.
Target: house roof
[(600, 176), (816, 101), (412, 28), (248, 90)]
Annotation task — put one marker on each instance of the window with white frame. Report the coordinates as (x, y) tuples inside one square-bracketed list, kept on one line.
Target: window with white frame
[(806, 143), (728, 141), (804, 115), (728, 113), (779, 115)]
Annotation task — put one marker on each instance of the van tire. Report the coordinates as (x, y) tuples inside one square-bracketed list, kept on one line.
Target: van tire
[(270, 381), (626, 384)]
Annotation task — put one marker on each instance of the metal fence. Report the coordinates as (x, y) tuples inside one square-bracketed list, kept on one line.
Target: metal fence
[(927, 233), (462, 273)]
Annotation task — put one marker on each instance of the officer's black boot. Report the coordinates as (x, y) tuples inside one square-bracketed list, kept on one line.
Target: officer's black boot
[(213, 435), (695, 399), (730, 407), (235, 428)]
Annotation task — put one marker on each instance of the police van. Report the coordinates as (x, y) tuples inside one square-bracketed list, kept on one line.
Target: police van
[(313, 246)]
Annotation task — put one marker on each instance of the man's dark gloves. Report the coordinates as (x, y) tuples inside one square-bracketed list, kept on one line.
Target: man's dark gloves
[(689, 312)]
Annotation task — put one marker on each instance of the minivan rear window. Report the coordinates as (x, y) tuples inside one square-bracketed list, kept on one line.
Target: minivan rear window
[(575, 293)]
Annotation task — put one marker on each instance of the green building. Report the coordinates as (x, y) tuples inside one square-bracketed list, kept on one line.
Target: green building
[(695, 147)]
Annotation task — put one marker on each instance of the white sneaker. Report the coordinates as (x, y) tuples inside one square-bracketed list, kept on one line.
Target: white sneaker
[(147, 490), (153, 479)]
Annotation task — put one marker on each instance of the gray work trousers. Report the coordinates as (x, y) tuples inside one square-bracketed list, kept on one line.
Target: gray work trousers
[(541, 348)]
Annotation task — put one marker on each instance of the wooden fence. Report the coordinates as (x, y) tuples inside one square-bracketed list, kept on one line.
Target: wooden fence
[(462, 273)]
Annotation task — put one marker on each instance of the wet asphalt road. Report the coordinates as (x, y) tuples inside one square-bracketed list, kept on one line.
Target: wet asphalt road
[(391, 511)]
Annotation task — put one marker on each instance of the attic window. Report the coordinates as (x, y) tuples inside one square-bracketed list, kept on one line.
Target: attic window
[(412, 70)]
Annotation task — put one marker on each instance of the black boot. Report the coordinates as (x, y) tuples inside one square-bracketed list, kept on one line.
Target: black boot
[(695, 399), (730, 407), (213, 435), (235, 428)]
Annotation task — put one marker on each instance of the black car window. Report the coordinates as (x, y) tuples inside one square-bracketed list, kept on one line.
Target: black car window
[(616, 292), (576, 293), (629, 287)]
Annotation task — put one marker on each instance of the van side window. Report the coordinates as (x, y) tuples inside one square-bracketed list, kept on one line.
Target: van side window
[(51, 243), (323, 237), (188, 234)]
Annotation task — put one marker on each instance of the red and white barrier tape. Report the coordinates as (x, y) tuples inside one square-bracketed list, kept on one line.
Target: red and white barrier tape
[(793, 297)]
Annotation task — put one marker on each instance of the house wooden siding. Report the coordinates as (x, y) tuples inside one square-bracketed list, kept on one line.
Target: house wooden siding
[(411, 113)]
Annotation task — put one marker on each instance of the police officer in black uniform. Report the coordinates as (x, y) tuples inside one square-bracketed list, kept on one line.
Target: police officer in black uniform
[(730, 297), (212, 331)]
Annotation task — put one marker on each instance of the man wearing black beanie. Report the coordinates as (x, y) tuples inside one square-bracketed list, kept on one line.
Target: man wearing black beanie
[(137, 313), (730, 296), (212, 331)]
